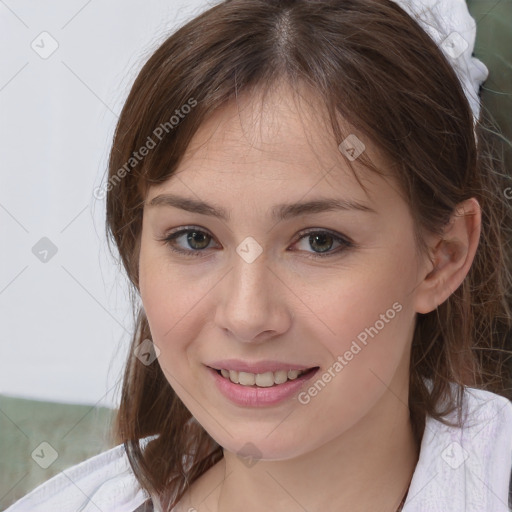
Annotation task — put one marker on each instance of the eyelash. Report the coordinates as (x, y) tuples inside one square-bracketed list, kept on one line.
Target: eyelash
[(171, 237)]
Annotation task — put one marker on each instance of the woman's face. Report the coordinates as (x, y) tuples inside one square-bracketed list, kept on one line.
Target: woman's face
[(274, 286)]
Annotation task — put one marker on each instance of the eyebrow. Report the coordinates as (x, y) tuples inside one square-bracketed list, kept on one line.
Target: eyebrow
[(279, 212)]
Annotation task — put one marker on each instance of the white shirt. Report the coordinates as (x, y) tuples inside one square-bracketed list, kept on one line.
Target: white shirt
[(459, 470)]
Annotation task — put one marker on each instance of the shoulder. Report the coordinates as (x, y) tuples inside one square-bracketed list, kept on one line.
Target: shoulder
[(466, 465), (104, 482)]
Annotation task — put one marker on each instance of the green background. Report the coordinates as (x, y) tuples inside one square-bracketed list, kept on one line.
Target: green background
[(75, 432), (494, 48)]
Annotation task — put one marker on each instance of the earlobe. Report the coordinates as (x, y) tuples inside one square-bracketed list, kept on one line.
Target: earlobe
[(452, 256)]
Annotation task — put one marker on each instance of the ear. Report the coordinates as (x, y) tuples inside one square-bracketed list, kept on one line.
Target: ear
[(452, 256)]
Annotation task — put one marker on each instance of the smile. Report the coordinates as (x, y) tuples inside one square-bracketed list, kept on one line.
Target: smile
[(262, 380), (262, 389)]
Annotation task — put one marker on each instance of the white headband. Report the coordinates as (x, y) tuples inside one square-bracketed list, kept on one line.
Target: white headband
[(452, 28)]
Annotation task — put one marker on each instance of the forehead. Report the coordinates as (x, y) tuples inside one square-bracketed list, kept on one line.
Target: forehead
[(280, 137)]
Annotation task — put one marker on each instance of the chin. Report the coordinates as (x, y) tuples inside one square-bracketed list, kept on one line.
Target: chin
[(260, 446)]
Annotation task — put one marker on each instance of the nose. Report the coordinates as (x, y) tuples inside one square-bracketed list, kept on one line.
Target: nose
[(252, 306)]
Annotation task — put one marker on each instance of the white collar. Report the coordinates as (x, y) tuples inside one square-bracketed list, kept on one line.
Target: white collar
[(465, 469)]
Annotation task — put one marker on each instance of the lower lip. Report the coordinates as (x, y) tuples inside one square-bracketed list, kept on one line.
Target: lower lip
[(259, 397)]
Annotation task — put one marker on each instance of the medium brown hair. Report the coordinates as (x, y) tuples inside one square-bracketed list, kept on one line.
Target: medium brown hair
[(370, 63)]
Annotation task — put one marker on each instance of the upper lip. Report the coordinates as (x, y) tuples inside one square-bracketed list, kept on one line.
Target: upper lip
[(256, 367)]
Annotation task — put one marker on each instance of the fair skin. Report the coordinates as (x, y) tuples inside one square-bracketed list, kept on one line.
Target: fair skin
[(350, 447)]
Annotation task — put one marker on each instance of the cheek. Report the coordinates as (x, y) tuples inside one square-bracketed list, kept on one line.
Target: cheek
[(369, 315), (368, 326), (178, 305), (168, 301), (368, 350)]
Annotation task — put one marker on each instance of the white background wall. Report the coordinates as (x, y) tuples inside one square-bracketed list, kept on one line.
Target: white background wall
[(65, 323)]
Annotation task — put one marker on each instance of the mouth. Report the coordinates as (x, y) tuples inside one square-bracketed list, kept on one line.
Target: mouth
[(263, 380)]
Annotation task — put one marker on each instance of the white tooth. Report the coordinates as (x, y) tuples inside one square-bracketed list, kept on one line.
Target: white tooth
[(293, 374), (280, 377), (265, 380), (246, 379), (225, 373), (233, 376)]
